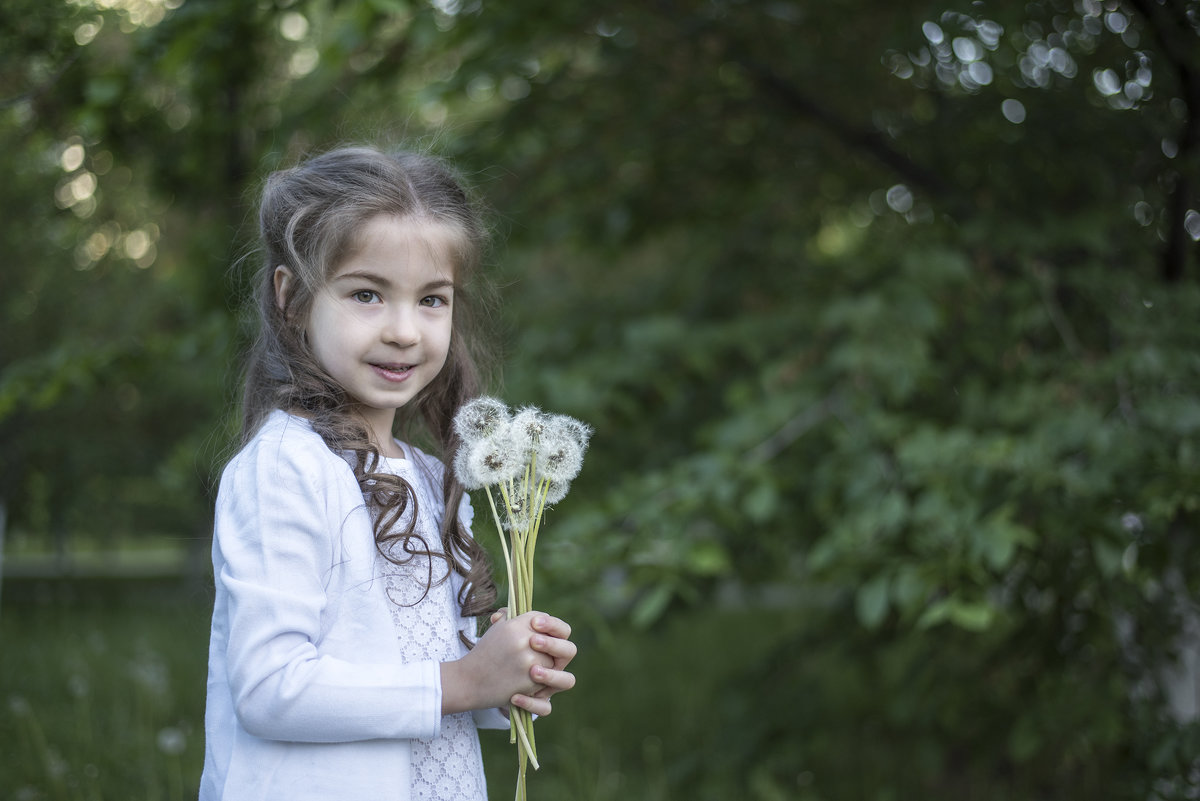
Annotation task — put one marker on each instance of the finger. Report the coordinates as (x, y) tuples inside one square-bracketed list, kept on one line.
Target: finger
[(561, 651), (548, 624), (538, 706), (553, 681), (498, 615)]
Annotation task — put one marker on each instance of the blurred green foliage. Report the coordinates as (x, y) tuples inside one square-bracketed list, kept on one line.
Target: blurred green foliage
[(884, 315)]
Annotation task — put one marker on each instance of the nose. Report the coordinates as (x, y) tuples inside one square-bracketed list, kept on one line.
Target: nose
[(401, 328)]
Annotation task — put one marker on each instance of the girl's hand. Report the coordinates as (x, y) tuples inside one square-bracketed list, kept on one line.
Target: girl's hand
[(500, 669), (551, 639)]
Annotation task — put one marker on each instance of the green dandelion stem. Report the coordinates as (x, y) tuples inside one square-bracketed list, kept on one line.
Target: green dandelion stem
[(524, 729), (532, 741), (538, 504), (520, 796), (524, 571), (516, 589), (504, 542)]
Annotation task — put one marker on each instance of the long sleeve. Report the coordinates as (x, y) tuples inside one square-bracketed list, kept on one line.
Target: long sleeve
[(291, 559)]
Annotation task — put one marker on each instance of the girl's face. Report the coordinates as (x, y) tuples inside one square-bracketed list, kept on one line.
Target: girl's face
[(381, 325)]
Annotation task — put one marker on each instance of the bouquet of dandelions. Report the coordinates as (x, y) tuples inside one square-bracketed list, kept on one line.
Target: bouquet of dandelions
[(524, 462)]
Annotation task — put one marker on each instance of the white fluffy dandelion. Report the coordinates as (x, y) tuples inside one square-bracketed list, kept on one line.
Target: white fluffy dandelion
[(529, 422), (560, 449), (525, 430), (556, 491), (480, 417), (464, 470), (527, 460), (494, 460), (519, 514), (575, 429)]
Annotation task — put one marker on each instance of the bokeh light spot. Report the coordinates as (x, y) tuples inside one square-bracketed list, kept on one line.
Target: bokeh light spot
[(1013, 111)]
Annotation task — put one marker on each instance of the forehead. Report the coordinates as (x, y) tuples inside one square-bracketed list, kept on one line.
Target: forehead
[(390, 242)]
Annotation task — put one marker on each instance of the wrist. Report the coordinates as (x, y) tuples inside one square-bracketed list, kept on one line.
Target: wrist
[(462, 689), (454, 688)]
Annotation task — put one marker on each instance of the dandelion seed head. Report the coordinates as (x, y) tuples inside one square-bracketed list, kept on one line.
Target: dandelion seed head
[(517, 514), (150, 673), (529, 423), (464, 469), (57, 766), (580, 430), (479, 418), (559, 457), (577, 430), (556, 491), (561, 449), (491, 461), (171, 741), (524, 432)]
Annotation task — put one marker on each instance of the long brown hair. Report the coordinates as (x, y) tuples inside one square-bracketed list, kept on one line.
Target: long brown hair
[(309, 219)]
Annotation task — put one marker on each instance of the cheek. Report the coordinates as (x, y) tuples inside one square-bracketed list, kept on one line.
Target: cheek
[(318, 348), (324, 335), (445, 339), (445, 351)]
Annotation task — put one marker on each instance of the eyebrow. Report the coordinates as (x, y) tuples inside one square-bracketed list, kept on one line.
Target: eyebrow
[(380, 281)]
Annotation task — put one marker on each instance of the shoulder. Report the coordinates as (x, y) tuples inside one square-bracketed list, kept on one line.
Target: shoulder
[(286, 448)]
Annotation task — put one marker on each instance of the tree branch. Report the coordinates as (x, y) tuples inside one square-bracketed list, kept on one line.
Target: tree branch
[(792, 430), (44, 87), (868, 141), (786, 94)]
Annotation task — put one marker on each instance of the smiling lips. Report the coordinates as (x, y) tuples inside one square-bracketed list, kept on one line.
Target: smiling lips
[(393, 372)]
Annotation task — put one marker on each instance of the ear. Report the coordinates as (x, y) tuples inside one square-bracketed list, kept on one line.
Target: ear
[(283, 285)]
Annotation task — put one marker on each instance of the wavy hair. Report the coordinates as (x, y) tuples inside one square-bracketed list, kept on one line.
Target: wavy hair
[(309, 219)]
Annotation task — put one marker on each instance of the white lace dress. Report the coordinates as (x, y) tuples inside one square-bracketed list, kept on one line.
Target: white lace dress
[(448, 767)]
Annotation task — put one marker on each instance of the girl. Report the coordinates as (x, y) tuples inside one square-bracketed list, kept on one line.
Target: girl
[(343, 661)]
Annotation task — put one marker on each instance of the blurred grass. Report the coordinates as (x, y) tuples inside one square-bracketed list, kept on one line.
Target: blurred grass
[(103, 698)]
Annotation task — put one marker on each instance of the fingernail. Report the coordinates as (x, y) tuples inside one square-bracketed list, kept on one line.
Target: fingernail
[(539, 672), (540, 622)]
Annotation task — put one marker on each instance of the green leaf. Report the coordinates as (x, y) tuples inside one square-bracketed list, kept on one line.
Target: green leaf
[(975, 616), (871, 601), (761, 502), (969, 615), (649, 608), (104, 90), (708, 558), (390, 6)]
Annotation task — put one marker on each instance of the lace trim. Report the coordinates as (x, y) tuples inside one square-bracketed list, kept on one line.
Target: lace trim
[(448, 767)]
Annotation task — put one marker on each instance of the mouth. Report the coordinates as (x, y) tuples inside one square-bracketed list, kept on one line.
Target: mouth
[(392, 371)]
